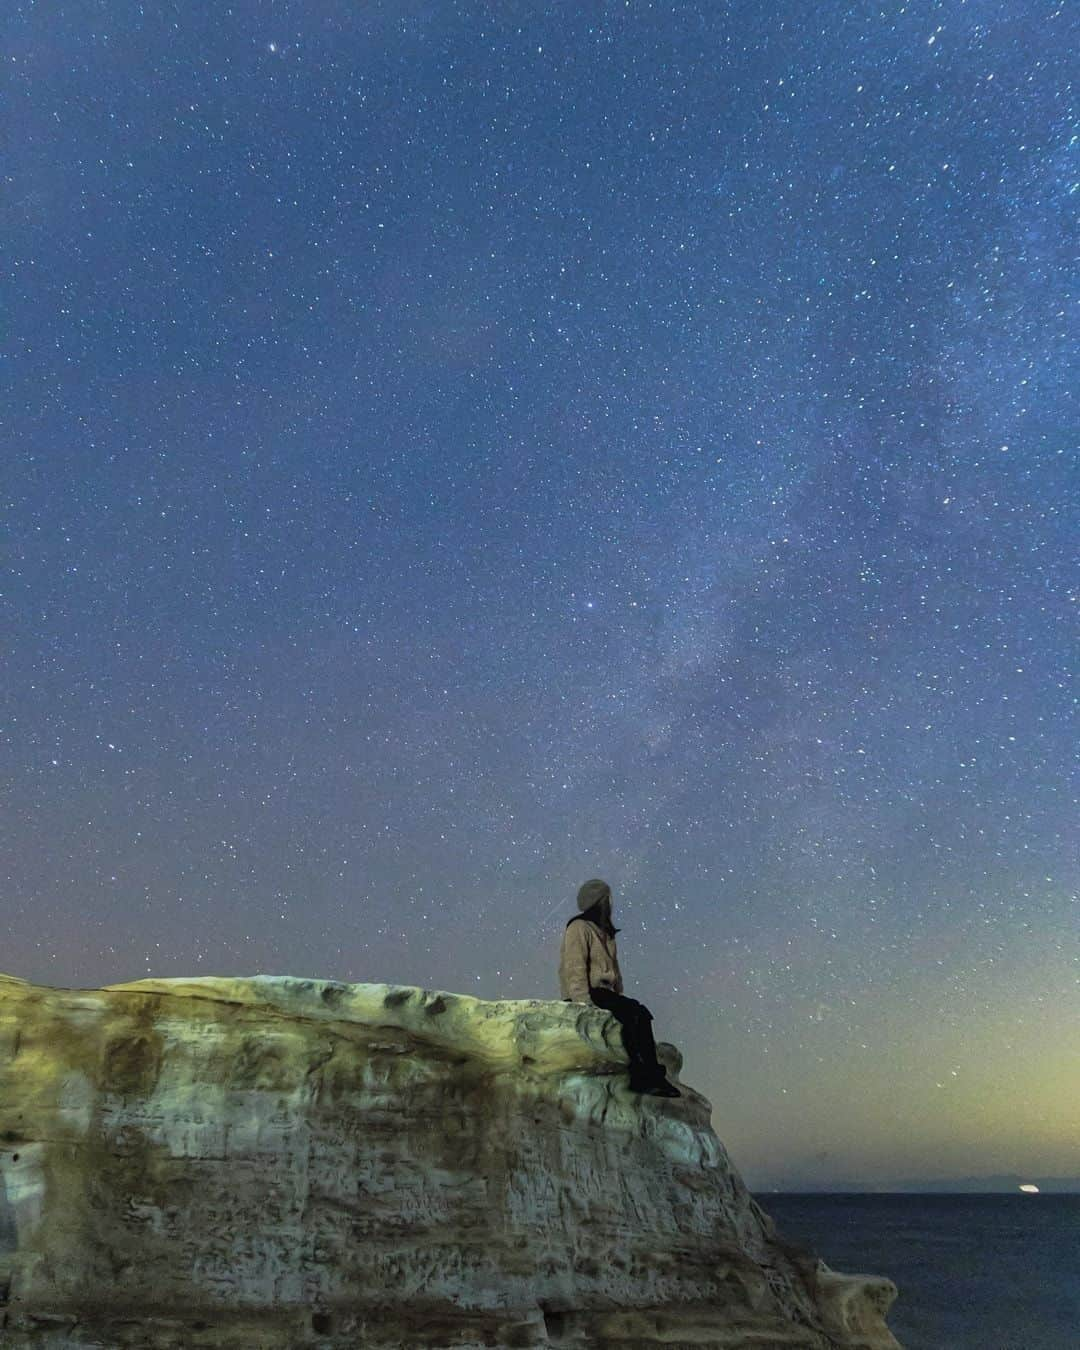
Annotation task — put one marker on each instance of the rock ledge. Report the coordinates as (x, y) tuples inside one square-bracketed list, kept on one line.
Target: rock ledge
[(270, 1163)]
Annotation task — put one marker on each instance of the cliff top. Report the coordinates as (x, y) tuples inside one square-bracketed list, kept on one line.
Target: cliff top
[(549, 1034)]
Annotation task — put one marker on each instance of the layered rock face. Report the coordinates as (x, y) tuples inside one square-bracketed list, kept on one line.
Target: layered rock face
[(274, 1163)]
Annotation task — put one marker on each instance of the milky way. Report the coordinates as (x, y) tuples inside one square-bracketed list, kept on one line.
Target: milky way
[(453, 450)]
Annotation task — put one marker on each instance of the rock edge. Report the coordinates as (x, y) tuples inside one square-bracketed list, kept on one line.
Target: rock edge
[(274, 1162)]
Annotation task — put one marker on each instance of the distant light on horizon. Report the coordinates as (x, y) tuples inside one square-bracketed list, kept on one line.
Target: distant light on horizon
[(1029, 1189)]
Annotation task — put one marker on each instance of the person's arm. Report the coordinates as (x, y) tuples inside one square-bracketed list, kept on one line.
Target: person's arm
[(576, 962), (616, 977)]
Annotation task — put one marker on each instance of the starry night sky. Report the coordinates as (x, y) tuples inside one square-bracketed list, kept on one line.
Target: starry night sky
[(453, 450)]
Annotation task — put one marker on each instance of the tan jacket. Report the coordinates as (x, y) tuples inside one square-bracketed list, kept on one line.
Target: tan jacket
[(587, 958)]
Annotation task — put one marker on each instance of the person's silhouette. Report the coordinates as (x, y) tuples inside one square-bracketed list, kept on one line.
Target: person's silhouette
[(589, 973)]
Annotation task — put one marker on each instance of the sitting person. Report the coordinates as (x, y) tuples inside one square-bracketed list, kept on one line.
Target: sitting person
[(589, 973)]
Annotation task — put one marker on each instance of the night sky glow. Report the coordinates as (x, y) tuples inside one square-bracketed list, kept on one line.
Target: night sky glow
[(453, 450)]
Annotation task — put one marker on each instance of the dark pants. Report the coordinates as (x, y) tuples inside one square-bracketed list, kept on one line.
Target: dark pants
[(637, 1035)]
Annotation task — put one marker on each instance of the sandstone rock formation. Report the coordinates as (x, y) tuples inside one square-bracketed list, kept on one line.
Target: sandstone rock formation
[(275, 1163)]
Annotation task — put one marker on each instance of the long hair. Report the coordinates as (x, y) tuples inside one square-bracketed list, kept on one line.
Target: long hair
[(595, 914)]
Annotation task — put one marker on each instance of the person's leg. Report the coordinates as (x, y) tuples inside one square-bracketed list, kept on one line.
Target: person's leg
[(637, 1036), (646, 1045)]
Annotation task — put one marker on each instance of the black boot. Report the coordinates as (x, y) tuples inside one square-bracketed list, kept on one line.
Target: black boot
[(663, 1089), (652, 1082)]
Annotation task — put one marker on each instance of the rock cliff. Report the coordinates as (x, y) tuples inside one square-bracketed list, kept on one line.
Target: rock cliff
[(274, 1163)]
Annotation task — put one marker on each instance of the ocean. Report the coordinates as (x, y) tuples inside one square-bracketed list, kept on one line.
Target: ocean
[(975, 1272)]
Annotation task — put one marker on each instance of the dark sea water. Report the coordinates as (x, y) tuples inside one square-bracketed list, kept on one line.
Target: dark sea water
[(975, 1272)]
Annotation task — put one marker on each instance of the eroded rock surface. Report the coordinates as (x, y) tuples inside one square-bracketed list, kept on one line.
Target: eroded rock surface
[(273, 1163)]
